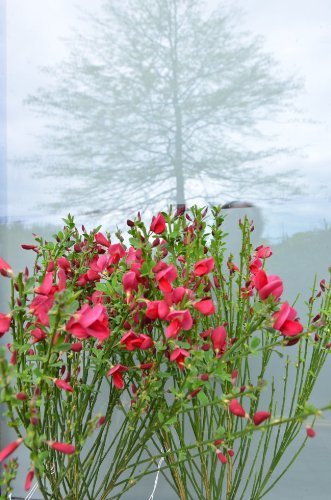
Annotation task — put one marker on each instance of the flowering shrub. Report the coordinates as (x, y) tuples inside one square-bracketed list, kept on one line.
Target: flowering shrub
[(128, 354)]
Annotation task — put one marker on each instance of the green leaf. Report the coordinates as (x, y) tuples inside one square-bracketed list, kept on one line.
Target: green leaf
[(202, 398), (255, 342), (220, 431), (172, 420), (63, 347)]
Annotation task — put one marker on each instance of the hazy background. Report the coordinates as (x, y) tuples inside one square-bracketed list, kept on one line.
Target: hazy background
[(297, 34)]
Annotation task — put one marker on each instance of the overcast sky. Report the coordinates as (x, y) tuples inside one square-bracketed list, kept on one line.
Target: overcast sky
[(296, 32)]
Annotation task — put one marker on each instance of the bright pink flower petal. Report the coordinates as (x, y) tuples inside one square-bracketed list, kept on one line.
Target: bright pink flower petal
[(205, 306), (5, 320), (260, 279), (291, 328), (218, 338), (204, 266), (158, 224), (46, 285), (5, 269)]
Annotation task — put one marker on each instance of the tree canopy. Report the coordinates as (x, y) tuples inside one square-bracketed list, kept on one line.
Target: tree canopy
[(158, 94)]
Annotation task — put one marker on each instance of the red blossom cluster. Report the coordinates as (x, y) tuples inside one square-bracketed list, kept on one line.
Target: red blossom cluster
[(125, 296)]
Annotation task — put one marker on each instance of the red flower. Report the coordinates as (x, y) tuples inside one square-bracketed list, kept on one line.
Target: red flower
[(177, 295), (133, 255), (261, 416), (218, 338), (236, 409), (255, 265), (263, 252), (205, 306), (29, 479), (116, 373), (179, 356), (89, 322), (143, 342), (222, 458), (5, 269), (46, 285), (5, 320), (100, 238), (204, 266), (128, 340), (98, 265), (41, 305), (158, 224), (130, 283), (268, 285), (286, 322), (38, 335), (61, 384), (67, 449), (9, 449), (117, 251), (63, 263), (179, 320), (166, 277), (310, 432), (157, 309)]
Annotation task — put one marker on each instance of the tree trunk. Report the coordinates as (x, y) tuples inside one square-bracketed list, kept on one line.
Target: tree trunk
[(178, 159)]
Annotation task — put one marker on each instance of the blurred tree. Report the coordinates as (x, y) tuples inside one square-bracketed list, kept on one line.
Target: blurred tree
[(159, 93)]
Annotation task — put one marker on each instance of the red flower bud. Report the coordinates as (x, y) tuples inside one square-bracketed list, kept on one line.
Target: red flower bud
[(236, 409), (102, 240), (13, 357), (67, 449), (9, 449), (101, 421), (310, 432), (194, 393), (21, 396), (29, 479), (261, 416), (222, 458), (76, 346), (61, 384)]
